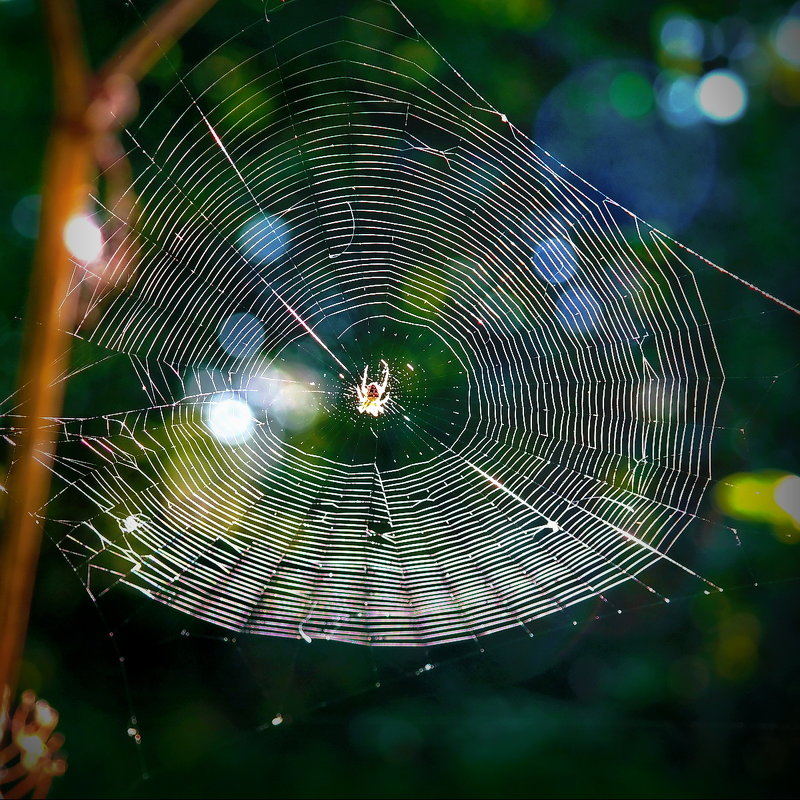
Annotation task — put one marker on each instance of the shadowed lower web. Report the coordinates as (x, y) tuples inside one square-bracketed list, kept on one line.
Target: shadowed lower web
[(307, 209)]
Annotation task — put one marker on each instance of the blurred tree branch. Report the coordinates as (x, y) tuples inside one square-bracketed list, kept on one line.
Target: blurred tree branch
[(90, 109), (138, 54)]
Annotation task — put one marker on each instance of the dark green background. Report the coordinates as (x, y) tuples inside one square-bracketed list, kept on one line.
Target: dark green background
[(696, 699)]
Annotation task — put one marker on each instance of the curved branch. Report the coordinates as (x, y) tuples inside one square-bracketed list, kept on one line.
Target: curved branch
[(136, 57)]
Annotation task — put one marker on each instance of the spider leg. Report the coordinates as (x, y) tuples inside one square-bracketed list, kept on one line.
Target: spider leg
[(385, 376)]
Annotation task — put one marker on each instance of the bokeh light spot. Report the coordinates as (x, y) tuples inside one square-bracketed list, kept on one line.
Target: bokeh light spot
[(83, 238), (676, 99), (25, 216), (229, 419), (787, 496), (722, 96), (682, 36), (746, 495), (631, 94), (264, 239), (786, 40), (767, 496), (242, 335), (289, 397), (555, 260), (579, 309)]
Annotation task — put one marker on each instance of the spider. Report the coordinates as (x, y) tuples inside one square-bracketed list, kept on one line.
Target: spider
[(371, 397)]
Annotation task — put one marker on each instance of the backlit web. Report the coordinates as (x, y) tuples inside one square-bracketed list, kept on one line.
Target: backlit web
[(338, 199)]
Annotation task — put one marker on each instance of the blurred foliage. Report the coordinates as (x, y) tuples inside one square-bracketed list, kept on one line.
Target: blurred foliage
[(696, 699)]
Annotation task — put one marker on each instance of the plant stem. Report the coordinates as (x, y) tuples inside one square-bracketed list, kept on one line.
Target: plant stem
[(51, 310), (45, 343)]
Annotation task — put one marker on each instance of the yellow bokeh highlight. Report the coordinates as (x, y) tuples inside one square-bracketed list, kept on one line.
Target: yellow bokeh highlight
[(682, 64), (769, 496)]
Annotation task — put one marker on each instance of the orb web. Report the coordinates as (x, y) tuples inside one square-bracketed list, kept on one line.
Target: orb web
[(321, 194)]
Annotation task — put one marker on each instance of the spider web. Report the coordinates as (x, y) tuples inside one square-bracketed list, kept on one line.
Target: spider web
[(337, 198)]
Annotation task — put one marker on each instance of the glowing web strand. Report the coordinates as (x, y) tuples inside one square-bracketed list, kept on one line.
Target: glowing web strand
[(554, 526), (294, 313)]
